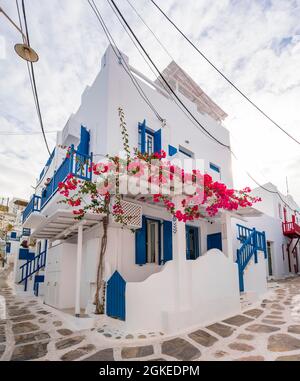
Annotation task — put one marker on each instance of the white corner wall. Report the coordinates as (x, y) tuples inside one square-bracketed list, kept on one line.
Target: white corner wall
[(255, 276), (211, 286)]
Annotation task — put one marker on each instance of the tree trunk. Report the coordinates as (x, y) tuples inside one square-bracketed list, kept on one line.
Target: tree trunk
[(100, 283)]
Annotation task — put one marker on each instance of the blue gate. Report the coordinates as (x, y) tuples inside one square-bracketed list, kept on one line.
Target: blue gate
[(115, 296)]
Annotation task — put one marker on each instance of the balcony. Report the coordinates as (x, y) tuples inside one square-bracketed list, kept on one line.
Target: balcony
[(291, 229), (77, 164)]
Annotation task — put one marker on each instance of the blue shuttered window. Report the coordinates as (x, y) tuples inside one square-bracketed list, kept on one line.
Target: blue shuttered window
[(167, 237), (140, 244), (8, 246), (214, 241), (192, 242), (84, 145), (13, 234), (145, 138), (157, 141)]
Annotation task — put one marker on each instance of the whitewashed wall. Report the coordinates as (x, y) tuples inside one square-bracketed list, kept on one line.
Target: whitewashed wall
[(212, 289), (255, 276)]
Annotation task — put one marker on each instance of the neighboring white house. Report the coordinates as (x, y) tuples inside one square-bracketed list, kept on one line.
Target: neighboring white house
[(165, 276), (281, 223), (11, 226)]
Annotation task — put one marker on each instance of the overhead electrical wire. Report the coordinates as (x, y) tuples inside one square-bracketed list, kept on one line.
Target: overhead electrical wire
[(25, 133), (152, 70), (32, 75), (118, 54), (160, 74), (224, 76), (163, 78)]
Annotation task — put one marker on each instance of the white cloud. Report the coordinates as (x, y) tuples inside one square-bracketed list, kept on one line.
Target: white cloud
[(256, 43)]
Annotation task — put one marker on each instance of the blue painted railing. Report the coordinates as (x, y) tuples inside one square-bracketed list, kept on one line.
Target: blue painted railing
[(77, 164), (32, 266), (47, 165), (252, 242), (34, 205)]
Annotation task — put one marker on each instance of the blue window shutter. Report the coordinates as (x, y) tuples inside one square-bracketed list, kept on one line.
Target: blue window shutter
[(13, 235), (187, 242), (167, 237), (8, 245), (197, 241), (142, 131), (172, 150), (84, 144), (214, 241), (157, 141), (140, 244)]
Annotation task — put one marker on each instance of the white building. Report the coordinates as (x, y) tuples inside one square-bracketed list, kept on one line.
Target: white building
[(165, 276), (11, 226), (281, 222)]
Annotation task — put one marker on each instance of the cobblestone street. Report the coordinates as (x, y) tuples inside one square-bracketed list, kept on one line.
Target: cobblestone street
[(269, 331)]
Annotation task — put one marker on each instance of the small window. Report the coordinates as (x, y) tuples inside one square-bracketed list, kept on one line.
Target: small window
[(152, 241), (214, 167), (185, 151), (149, 143)]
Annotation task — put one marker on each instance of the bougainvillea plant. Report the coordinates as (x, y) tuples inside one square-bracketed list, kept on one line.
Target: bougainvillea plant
[(153, 176)]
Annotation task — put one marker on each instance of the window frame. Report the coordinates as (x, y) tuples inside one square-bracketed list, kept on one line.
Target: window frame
[(185, 152), (214, 167), (157, 259)]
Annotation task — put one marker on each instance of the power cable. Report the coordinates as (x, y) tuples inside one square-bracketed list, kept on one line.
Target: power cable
[(152, 70), (121, 59), (32, 79), (163, 78), (223, 75), (148, 56)]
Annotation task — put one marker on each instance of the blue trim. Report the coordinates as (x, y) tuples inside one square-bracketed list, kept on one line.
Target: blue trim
[(184, 152), (142, 131), (214, 167), (172, 150), (157, 141), (195, 230), (115, 296), (214, 241), (167, 241), (84, 145), (140, 244), (34, 205), (252, 241), (25, 254), (8, 247), (32, 266), (47, 164)]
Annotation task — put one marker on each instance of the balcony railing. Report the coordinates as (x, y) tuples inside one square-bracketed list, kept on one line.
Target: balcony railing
[(77, 164), (34, 205), (291, 228)]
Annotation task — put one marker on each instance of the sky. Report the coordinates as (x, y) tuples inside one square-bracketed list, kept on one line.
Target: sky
[(255, 42)]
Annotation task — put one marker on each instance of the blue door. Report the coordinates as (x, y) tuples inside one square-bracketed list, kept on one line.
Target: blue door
[(214, 241), (192, 242), (115, 296)]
